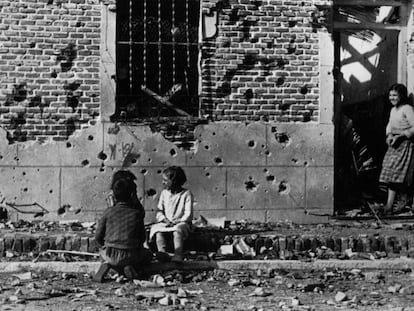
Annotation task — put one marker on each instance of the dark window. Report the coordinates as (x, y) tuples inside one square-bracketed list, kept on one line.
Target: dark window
[(157, 58)]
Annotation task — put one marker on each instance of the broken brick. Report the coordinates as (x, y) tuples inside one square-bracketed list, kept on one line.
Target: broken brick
[(43, 244), (84, 244), (60, 242)]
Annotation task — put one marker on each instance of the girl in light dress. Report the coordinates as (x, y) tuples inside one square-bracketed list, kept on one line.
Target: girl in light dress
[(174, 213)]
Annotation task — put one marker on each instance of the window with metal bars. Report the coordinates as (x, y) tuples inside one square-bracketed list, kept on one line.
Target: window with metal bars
[(157, 52)]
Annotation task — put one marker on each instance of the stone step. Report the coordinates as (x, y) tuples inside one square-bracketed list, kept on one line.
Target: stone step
[(275, 245)]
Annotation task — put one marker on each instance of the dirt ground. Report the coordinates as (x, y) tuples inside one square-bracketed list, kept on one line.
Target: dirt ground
[(212, 290)]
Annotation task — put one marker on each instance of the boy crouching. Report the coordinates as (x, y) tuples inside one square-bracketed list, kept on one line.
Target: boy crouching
[(121, 233)]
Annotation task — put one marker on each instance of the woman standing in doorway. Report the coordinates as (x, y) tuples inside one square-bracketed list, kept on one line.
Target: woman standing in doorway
[(398, 167)]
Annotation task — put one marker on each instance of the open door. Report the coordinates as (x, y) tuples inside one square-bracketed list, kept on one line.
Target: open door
[(369, 58)]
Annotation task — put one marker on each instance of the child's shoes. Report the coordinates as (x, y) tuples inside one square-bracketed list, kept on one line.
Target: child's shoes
[(162, 257), (177, 258), (130, 273)]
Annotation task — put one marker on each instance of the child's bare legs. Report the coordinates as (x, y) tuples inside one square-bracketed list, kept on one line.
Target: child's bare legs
[(178, 246), (161, 241)]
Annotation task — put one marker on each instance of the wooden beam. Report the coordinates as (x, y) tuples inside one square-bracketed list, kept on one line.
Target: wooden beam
[(365, 25), (164, 101), (367, 3)]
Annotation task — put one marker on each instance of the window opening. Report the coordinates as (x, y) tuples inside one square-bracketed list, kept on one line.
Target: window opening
[(157, 58)]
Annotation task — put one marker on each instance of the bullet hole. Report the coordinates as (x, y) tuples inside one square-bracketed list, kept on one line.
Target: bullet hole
[(218, 160), (280, 81), (1, 157), (248, 94), (151, 192), (284, 106), (71, 86), (265, 170), (144, 171), (207, 147), (282, 138), (62, 210), (159, 171), (281, 63), (251, 185), (155, 150), (294, 160), (102, 168), (66, 57), (173, 153), (90, 137), (85, 162), (53, 74), (267, 153), (270, 178), (50, 191), (306, 116), (303, 90), (305, 163), (241, 206), (291, 49), (251, 144), (250, 178), (214, 133), (223, 195), (283, 187), (24, 173), (149, 160), (68, 145), (102, 156), (208, 174), (25, 189), (292, 23), (134, 160)]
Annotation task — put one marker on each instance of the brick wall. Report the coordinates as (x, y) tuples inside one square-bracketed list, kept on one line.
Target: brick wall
[(263, 63), (49, 67)]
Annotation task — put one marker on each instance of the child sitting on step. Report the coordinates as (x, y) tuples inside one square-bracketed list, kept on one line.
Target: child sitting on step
[(174, 213)]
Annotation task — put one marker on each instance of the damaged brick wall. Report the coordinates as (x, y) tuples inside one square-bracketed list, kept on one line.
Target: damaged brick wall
[(49, 67), (263, 62)]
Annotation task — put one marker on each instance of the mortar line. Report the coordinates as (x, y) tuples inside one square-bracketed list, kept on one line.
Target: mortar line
[(226, 189), (266, 144), (306, 187), (60, 187)]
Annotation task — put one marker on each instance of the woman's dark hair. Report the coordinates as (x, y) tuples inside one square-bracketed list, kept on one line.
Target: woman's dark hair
[(402, 91), (123, 189), (122, 174), (176, 175)]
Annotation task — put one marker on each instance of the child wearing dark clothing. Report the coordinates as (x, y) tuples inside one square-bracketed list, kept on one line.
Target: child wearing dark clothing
[(121, 232)]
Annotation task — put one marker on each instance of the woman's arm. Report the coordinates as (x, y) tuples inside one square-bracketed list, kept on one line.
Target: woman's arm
[(409, 114)]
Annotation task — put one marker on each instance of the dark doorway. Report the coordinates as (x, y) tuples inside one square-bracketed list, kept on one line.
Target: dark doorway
[(367, 43)]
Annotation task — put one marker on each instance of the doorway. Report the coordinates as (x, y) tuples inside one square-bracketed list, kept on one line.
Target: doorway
[(369, 56)]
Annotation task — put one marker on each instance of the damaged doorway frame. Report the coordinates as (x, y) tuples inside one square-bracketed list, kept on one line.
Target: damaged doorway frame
[(365, 25)]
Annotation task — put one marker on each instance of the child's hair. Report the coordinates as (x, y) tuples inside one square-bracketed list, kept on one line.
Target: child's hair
[(402, 91), (122, 174), (123, 189), (176, 175)]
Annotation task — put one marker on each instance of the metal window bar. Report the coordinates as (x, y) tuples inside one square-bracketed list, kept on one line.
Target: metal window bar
[(158, 48)]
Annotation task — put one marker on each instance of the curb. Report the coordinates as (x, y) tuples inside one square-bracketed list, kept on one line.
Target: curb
[(90, 267)]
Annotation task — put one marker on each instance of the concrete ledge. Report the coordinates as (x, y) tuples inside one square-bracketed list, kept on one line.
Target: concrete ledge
[(89, 267)]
